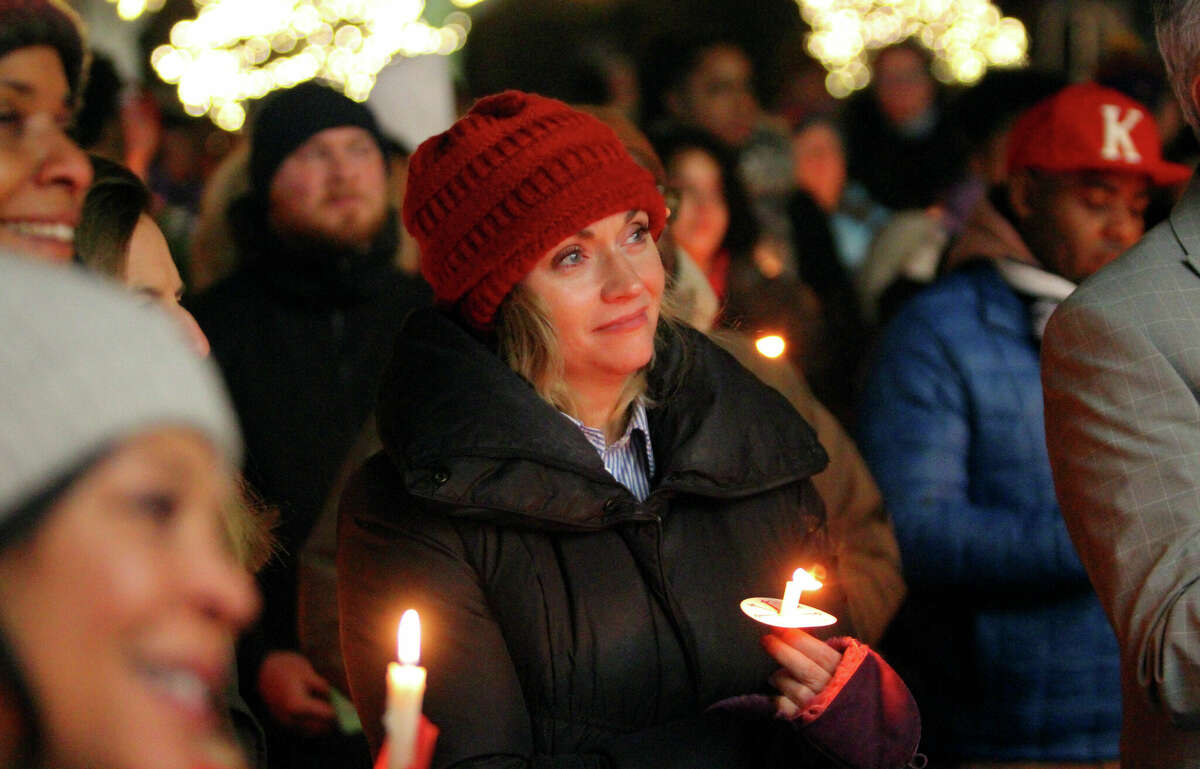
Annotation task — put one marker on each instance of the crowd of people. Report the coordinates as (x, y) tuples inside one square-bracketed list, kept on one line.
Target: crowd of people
[(511, 378)]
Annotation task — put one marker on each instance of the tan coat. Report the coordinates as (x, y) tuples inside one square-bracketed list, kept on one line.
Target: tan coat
[(867, 553)]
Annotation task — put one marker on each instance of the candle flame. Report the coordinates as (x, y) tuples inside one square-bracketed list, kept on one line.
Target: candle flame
[(805, 580), (771, 346), (408, 638)]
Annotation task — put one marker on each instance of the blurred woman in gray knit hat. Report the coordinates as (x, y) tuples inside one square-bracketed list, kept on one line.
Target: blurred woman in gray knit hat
[(119, 594)]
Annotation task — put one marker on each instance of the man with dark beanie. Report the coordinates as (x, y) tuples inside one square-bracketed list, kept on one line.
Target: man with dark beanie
[(302, 331)]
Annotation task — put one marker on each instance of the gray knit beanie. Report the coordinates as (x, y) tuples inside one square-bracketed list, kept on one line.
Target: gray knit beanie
[(84, 365)]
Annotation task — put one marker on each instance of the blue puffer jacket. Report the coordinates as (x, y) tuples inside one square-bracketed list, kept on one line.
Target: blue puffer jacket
[(1018, 659)]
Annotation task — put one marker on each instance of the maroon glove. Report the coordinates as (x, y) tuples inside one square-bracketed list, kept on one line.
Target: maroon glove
[(865, 716)]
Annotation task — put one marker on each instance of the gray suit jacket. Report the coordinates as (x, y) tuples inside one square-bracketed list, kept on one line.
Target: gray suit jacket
[(1121, 372)]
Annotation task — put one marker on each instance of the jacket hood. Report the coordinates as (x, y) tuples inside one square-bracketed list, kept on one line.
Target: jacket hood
[(988, 234), (464, 430)]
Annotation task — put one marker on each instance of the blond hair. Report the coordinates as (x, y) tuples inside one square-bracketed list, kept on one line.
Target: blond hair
[(249, 524), (528, 343)]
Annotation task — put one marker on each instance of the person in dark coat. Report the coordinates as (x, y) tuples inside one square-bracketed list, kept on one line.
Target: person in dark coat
[(899, 144), (576, 494), (302, 331)]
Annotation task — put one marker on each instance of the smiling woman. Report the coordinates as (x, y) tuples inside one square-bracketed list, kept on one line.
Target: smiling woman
[(43, 174), (577, 493), (598, 294), (119, 593)]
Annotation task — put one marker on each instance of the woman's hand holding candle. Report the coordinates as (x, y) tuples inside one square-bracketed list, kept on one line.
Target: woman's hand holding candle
[(807, 665)]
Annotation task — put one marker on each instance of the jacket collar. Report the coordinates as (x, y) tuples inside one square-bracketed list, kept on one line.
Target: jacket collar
[(723, 432), (466, 431), (988, 240), (1033, 281), (988, 234), (1185, 222)]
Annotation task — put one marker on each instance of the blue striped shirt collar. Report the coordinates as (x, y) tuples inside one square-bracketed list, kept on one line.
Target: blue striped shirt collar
[(620, 457)]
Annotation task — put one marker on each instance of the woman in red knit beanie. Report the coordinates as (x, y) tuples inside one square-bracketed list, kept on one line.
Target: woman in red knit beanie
[(576, 493)]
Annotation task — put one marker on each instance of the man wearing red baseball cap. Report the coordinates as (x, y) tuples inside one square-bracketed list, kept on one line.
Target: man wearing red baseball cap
[(1018, 664), (1121, 372)]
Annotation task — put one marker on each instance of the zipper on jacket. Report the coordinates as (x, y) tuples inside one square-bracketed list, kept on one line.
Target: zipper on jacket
[(337, 323), (686, 642)]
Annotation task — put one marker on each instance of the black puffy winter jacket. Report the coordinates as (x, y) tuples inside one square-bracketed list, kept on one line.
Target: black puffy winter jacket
[(566, 624)]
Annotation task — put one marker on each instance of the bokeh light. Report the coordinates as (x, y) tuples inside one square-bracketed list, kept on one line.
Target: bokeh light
[(965, 37), (771, 346), (235, 51), (132, 9)]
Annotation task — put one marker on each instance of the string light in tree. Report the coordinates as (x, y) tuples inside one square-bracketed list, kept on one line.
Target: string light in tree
[(965, 37), (131, 9), (235, 51)]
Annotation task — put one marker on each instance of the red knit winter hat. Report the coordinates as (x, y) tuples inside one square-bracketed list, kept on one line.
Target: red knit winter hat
[(516, 175)]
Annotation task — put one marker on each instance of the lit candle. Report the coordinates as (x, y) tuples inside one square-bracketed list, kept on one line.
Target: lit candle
[(770, 346), (801, 580), (788, 611), (406, 689)]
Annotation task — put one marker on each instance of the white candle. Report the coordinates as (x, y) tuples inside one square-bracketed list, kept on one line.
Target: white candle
[(405, 690), (801, 580)]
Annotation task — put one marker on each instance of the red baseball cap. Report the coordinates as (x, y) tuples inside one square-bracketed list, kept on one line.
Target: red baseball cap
[(1088, 127)]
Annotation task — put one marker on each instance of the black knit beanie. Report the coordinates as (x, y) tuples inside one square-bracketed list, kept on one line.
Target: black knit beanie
[(286, 119), (25, 23)]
